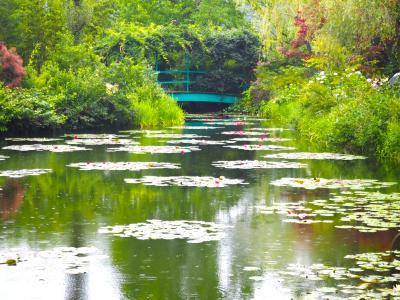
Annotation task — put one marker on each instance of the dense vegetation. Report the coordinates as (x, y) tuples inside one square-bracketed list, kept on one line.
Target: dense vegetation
[(90, 64), (325, 71)]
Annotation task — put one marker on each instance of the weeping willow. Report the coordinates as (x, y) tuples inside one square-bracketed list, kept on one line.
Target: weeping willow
[(355, 24)]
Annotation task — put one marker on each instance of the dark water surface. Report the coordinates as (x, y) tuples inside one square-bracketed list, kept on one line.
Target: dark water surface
[(65, 208)]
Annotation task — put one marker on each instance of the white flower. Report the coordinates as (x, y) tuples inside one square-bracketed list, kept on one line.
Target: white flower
[(369, 80), (111, 88), (336, 74)]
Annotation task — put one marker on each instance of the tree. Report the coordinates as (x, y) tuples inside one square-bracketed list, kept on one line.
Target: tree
[(11, 70)]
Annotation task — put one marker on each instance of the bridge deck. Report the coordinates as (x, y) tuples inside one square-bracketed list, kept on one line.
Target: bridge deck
[(204, 97)]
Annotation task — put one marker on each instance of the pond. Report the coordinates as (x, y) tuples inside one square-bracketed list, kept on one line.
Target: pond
[(221, 208)]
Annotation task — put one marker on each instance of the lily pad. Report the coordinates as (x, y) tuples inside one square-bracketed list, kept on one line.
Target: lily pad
[(41, 147), (99, 142), (24, 172), (155, 149), (95, 136), (37, 140), (195, 127), (119, 166), (257, 164), (262, 139), (205, 181), (240, 132), (315, 183), (196, 142), (229, 123), (71, 260), (175, 136), (192, 231), (260, 147), (311, 155), (266, 129)]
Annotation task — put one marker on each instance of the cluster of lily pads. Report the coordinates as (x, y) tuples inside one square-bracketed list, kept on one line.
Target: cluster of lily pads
[(195, 127), (241, 132), (175, 136), (313, 155), (198, 181), (315, 183), (197, 142), (98, 142), (192, 231), (155, 149), (257, 164), (229, 123), (96, 136), (70, 259), (357, 282), (260, 147), (41, 147), (119, 166), (37, 140), (261, 139), (23, 172), (358, 210), (269, 129)]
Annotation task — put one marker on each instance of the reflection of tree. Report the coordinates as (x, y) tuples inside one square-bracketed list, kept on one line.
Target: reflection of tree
[(11, 198), (76, 283), (396, 242)]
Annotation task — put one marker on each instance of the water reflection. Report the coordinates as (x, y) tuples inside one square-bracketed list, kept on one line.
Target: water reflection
[(11, 198), (67, 206)]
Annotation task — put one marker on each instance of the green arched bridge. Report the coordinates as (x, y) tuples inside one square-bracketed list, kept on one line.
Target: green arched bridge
[(203, 97), (191, 96)]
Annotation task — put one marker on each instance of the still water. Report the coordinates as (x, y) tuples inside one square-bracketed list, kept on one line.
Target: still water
[(258, 255)]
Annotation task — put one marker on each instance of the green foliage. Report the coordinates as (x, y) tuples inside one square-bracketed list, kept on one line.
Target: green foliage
[(24, 110), (343, 110)]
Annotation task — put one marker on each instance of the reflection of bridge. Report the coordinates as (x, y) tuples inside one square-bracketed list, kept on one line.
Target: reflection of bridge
[(187, 95)]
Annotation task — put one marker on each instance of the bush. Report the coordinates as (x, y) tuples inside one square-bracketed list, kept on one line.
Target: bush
[(342, 110), (28, 110)]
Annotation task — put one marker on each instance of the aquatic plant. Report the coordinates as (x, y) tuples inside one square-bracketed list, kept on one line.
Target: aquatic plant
[(197, 181), (192, 231), (119, 166), (257, 164)]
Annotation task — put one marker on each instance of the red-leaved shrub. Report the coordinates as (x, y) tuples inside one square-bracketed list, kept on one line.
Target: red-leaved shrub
[(11, 69), (308, 22)]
